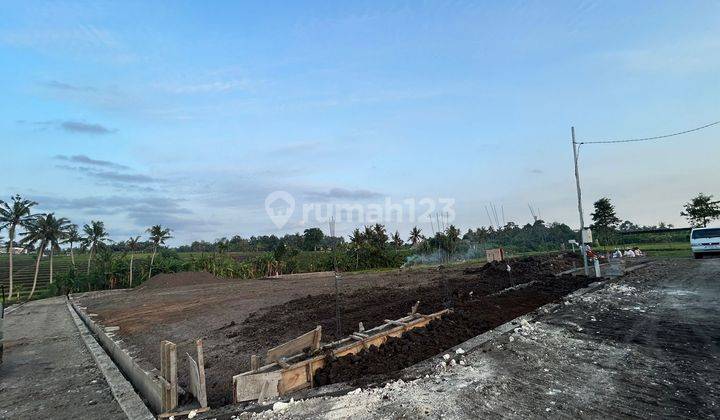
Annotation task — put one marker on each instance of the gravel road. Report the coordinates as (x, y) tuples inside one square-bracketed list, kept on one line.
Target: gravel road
[(47, 371), (645, 345)]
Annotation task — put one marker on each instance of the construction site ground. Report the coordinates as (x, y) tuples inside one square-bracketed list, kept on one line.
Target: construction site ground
[(238, 318), (644, 345), (47, 371)]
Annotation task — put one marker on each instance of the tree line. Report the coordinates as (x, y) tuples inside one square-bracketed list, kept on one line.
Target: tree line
[(699, 211), (46, 232)]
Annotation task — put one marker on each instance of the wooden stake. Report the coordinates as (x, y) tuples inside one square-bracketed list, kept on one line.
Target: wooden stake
[(415, 308), (168, 371), (202, 398), (254, 364)]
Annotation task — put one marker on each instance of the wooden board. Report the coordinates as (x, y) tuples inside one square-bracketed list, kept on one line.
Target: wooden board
[(295, 346), (299, 375), (249, 387), (494, 254), (168, 372)]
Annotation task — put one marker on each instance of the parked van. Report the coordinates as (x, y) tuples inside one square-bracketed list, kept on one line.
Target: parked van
[(705, 241)]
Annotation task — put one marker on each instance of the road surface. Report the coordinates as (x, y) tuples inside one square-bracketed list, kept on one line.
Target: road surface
[(47, 371)]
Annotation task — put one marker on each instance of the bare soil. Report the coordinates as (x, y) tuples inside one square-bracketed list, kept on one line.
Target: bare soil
[(238, 318)]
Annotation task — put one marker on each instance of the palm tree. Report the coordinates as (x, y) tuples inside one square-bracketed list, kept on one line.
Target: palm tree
[(49, 231), (397, 240), (132, 243), (95, 235), (415, 236), (10, 218), (158, 236), (72, 237)]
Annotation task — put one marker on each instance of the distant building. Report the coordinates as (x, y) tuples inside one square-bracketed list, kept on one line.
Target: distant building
[(16, 250)]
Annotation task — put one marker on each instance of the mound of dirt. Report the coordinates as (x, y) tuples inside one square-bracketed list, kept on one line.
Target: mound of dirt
[(187, 278), (472, 316), (529, 266)]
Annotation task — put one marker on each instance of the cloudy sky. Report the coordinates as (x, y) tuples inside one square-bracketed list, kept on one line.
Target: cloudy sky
[(190, 113)]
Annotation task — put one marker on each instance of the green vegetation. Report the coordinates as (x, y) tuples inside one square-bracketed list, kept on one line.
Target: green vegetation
[(108, 264), (701, 210)]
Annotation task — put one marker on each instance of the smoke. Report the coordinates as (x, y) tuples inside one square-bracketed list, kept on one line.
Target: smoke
[(438, 256)]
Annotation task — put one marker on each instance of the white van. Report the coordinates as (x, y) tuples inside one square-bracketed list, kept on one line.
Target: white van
[(705, 241)]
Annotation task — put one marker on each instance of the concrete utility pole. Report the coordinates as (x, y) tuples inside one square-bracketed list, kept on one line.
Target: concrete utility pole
[(579, 198)]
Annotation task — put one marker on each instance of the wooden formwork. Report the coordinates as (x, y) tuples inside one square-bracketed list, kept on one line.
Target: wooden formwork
[(288, 372), (159, 389)]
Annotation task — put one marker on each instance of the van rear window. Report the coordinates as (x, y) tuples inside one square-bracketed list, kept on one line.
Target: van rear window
[(706, 233)]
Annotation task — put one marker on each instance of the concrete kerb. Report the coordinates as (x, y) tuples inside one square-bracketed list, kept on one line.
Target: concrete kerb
[(421, 368), (130, 403), (147, 384)]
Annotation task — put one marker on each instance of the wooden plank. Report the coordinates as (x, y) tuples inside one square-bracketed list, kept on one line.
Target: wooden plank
[(263, 391), (309, 340), (168, 371), (202, 397), (254, 363), (248, 387), (295, 378)]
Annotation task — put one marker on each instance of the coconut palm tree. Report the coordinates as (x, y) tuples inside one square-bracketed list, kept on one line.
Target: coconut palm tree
[(12, 216), (132, 243), (72, 237), (50, 232), (397, 240), (95, 235), (158, 236), (415, 236)]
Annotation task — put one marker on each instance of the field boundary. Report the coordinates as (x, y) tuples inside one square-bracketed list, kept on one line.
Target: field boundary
[(125, 395)]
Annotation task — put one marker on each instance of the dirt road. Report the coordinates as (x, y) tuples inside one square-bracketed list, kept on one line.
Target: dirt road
[(47, 371), (643, 346)]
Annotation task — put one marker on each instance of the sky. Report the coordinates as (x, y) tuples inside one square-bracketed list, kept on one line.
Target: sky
[(189, 114)]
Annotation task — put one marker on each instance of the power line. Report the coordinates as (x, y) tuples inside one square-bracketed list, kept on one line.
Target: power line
[(650, 138)]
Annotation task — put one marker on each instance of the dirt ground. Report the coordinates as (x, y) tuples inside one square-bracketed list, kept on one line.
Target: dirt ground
[(47, 372), (238, 318), (642, 346)]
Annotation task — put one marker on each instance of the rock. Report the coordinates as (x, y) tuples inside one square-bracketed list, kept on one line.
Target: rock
[(446, 356), (459, 351), (280, 406)]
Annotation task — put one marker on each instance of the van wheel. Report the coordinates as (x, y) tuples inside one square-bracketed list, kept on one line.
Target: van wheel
[(697, 256)]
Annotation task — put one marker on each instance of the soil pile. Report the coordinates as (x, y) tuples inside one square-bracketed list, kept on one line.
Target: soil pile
[(528, 266), (187, 278), (472, 317)]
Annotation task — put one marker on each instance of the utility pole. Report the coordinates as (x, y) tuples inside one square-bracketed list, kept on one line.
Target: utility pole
[(579, 198)]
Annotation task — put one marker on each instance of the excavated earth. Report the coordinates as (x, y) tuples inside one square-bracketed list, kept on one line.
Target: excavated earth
[(472, 316), (239, 318)]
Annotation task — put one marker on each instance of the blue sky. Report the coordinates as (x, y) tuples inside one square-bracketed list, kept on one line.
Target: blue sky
[(190, 113)]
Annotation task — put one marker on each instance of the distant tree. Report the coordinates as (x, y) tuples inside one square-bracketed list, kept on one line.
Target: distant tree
[(453, 237), (158, 236), (378, 236), (701, 210), (628, 226), (397, 240), (12, 216), (312, 238), (415, 236), (604, 216), (49, 231), (72, 237), (132, 244), (95, 235)]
